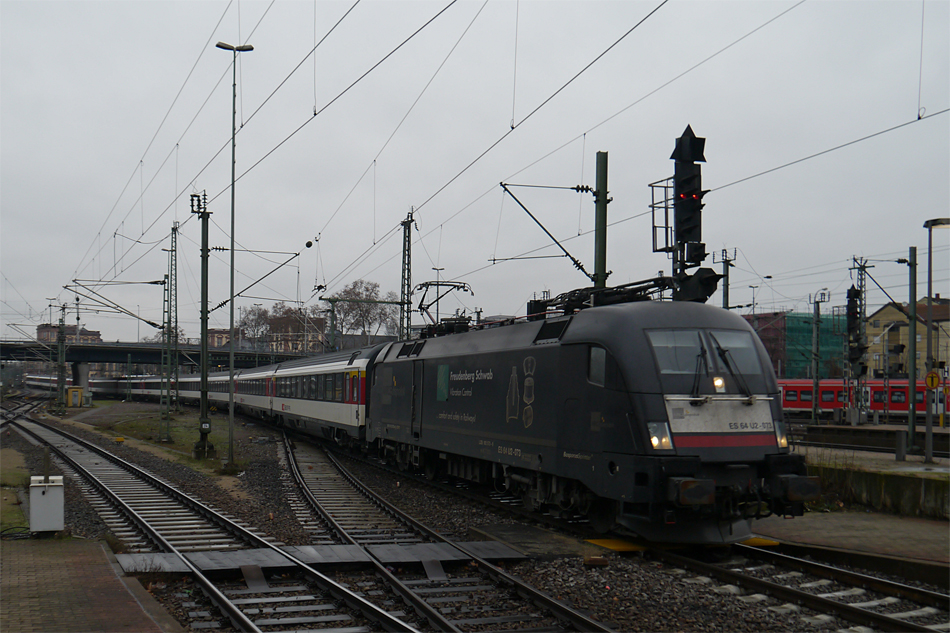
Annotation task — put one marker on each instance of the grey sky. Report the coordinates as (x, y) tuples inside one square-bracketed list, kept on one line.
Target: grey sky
[(84, 86)]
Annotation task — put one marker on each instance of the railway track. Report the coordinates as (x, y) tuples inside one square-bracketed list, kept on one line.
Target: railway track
[(128, 498), (751, 574), (256, 605), (754, 574), (470, 594)]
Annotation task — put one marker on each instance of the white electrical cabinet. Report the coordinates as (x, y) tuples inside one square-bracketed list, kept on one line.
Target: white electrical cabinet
[(46, 504)]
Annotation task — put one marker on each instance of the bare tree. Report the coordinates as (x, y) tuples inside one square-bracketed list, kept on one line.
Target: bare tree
[(390, 317), (159, 336), (255, 323), (360, 310), (296, 329)]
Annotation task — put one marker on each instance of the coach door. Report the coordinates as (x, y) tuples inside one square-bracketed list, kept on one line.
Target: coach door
[(417, 390), (270, 385)]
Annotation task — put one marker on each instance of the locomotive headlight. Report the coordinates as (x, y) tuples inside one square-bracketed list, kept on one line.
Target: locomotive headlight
[(719, 383), (780, 436), (660, 436)]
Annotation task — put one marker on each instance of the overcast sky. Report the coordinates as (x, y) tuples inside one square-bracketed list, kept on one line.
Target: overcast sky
[(113, 113)]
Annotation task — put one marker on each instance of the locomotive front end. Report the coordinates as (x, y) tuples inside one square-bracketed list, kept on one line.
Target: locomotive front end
[(704, 399)]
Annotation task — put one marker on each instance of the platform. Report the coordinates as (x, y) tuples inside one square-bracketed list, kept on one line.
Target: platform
[(877, 435), (73, 586), (904, 513), (880, 482)]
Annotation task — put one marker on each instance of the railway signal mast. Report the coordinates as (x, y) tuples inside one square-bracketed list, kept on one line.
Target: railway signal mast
[(688, 202), (857, 347), (685, 241)]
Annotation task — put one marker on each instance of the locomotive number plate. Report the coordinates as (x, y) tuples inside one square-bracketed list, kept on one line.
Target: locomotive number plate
[(719, 416)]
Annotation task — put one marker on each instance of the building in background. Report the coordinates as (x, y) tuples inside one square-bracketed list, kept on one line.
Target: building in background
[(888, 334), (787, 337), (47, 333)]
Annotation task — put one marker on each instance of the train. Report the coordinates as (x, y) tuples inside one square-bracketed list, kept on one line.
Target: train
[(886, 398), (661, 418)]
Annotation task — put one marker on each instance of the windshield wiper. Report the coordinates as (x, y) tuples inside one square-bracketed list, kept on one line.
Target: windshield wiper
[(725, 355), (701, 362)]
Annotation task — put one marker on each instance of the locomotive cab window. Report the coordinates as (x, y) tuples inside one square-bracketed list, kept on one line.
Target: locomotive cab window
[(597, 366), (676, 350)]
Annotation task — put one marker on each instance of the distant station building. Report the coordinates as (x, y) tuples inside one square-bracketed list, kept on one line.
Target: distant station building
[(787, 337), (74, 334), (888, 334)]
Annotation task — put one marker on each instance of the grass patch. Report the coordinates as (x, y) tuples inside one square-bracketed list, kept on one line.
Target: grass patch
[(13, 475), (104, 404), (11, 514), (835, 472), (182, 430)]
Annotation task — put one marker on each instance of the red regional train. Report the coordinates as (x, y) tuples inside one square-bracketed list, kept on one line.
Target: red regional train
[(887, 399)]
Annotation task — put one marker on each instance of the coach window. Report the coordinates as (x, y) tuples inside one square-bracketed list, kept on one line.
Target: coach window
[(346, 388), (879, 396), (338, 387), (806, 395), (827, 396), (898, 395), (920, 397), (841, 396), (321, 390), (597, 365), (791, 395)]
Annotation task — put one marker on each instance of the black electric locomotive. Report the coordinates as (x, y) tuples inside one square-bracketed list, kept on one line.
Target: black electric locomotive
[(662, 417)]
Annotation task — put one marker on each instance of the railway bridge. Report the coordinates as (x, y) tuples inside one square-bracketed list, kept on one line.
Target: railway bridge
[(80, 355)]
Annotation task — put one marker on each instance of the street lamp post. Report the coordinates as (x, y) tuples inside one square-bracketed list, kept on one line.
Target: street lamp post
[(929, 421), (257, 341), (821, 297), (244, 48)]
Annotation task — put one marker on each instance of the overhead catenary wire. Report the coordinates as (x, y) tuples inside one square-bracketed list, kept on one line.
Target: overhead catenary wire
[(399, 125), (514, 72), (533, 111), (160, 125), (441, 224), (523, 120), (539, 106), (920, 75), (200, 109), (603, 122), (354, 83), (338, 96), (832, 149)]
